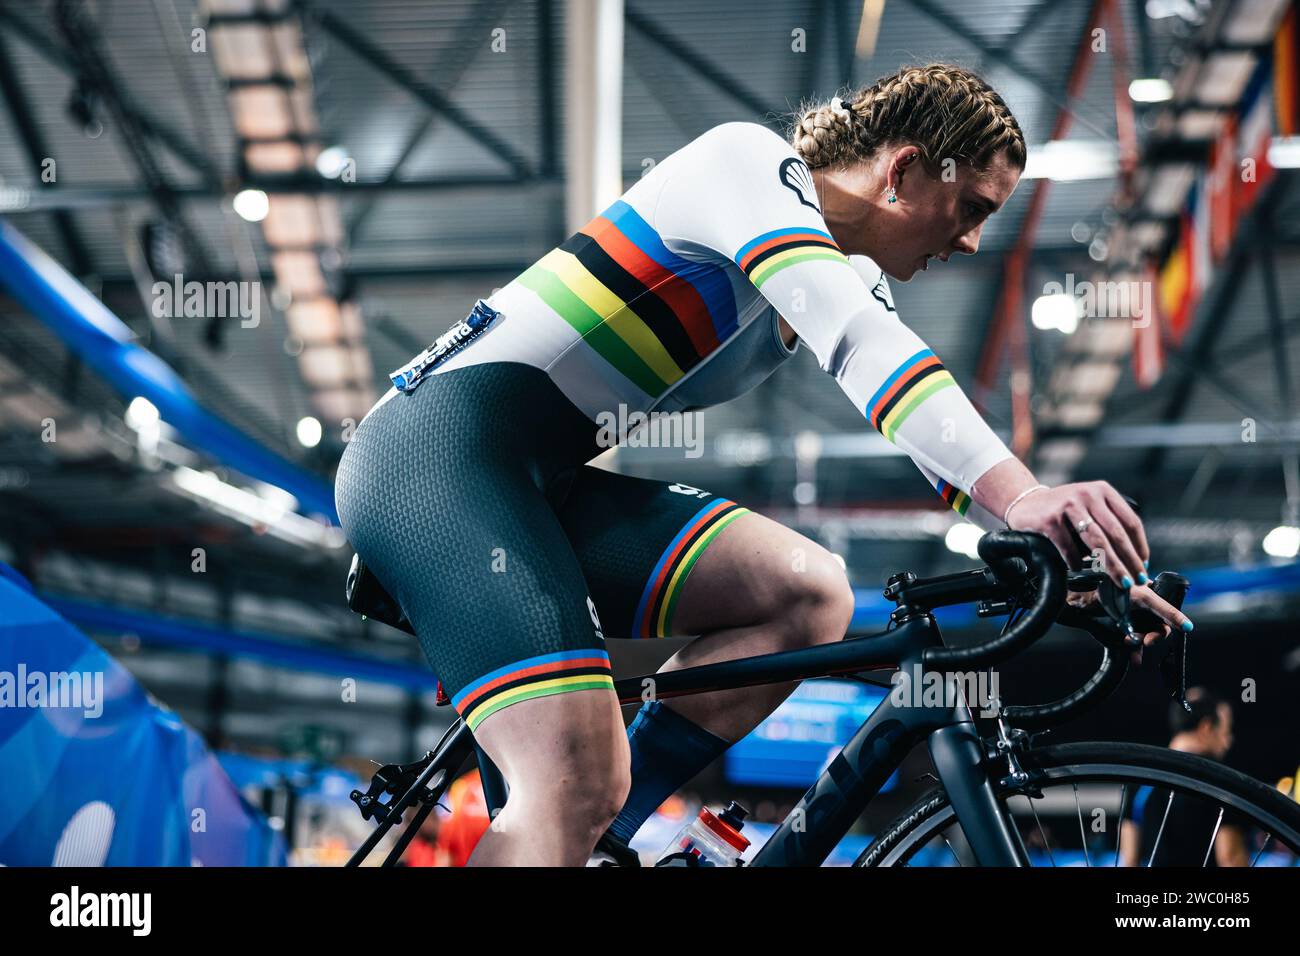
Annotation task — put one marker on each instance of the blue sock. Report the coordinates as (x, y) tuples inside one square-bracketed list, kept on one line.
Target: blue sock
[(667, 750)]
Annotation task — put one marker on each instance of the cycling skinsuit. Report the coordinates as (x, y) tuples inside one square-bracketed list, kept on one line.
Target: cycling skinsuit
[(469, 495)]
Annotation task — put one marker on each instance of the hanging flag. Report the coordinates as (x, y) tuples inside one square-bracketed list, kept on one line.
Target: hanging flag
[(1148, 350), (1202, 269), (1175, 283), (1254, 130), (1286, 79), (1222, 177)]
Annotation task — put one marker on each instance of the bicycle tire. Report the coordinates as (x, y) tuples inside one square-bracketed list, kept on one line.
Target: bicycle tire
[(1082, 762)]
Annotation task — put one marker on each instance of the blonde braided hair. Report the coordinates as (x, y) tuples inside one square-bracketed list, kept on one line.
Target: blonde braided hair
[(946, 111)]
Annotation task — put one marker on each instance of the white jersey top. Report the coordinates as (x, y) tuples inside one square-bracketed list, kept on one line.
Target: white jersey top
[(669, 300)]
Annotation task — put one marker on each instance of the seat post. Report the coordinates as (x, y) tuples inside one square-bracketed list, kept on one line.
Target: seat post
[(495, 790)]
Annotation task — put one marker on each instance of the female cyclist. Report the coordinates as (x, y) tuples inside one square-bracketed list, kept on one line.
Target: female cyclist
[(466, 487)]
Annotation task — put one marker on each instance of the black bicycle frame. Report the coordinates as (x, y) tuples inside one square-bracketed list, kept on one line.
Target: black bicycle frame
[(834, 802)]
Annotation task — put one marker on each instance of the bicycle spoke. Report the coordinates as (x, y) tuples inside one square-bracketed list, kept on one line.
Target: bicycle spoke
[(1083, 837), (1119, 827), (1046, 844), (1196, 797), (1161, 832), (1210, 849), (952, 851), (1260, 851)]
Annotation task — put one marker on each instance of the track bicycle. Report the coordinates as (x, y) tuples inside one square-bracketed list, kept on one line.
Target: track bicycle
[(989, 781)]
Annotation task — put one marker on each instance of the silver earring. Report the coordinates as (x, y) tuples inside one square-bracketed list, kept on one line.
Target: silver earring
[(892, 197)]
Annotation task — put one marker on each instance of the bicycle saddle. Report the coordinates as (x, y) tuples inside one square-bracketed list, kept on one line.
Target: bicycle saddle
[(366, 595)]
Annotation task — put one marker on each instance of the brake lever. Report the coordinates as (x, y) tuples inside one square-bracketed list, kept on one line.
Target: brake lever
[(1114, 600), (1111, 607), (1130, 622), (1173, 666), (1116, 603), (1133, 622)]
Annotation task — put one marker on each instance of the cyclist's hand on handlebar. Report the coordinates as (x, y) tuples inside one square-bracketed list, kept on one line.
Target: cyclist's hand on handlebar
[(1091, 525), (1143, 596), (1140, 596)]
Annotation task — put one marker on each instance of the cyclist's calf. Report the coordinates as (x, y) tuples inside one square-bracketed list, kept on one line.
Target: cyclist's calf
[(565, 759)]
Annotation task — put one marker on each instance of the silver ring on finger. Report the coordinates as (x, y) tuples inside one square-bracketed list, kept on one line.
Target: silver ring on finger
[(1083, 525)]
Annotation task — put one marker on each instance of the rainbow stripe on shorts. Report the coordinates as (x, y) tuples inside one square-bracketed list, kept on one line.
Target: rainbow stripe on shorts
[(654, 612), (540, 676)]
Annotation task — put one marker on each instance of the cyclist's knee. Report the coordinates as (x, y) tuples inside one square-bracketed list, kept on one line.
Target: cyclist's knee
[(591, 805), (818, 601), (565, 755), (583, 796)]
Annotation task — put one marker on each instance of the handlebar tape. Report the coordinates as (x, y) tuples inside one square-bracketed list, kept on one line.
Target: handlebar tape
[(1013, 556)]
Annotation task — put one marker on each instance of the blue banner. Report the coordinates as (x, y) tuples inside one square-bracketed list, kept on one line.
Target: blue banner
[(94, 771)]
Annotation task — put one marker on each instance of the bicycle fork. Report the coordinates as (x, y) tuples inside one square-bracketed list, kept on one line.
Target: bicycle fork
[(958, 757)]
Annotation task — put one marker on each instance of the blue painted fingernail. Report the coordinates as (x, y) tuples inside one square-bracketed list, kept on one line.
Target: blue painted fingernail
[(1142, 578), (1146, 564), (1187, 625), (1127, 581)]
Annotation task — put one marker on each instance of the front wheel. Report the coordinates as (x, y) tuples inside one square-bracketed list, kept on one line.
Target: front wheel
[(1079, 796)]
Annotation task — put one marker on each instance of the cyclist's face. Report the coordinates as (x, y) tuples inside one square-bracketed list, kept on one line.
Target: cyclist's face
[(934, 217)]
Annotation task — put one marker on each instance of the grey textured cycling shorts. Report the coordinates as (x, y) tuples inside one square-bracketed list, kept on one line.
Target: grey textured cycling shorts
[(471, 501)]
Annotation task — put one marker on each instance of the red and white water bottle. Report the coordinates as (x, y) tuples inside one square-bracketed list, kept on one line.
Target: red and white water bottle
[(710, 839)]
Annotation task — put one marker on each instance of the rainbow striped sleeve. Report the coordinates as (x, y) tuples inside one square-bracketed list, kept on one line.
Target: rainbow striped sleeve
[(956, 498), (766, 255), (962, 502), (915, 380)]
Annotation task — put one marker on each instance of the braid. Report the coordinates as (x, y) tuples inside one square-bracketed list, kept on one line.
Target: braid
[(822, 135), (946, 111)]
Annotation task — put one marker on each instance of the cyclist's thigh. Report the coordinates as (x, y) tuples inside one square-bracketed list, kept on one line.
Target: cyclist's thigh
[(457, 529), (667, 559)]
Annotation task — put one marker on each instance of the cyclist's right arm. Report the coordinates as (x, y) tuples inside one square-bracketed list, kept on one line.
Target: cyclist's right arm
[(743, 193)]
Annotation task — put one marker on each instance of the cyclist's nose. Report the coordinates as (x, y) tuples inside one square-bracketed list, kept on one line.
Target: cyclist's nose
[(969, 244)]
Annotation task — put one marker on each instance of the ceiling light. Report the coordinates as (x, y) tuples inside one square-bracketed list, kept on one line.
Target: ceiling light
[(252, 204), (1058, 311), (963, 538), (1150, 90), (265, 509), (1284, 152), (1072, 160), (1282, 542), (309, 432), (332, 161)]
